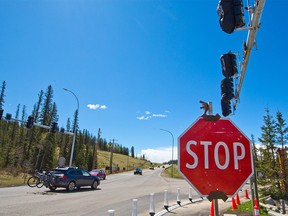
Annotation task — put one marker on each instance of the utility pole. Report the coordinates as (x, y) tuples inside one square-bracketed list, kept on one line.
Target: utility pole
[(96, 147), (111, 155)]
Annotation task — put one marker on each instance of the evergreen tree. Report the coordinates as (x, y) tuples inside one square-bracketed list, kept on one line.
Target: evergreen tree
[(268, 165), (37, 106), (132, 152), (45, 115), (282, 137), (2, 94)]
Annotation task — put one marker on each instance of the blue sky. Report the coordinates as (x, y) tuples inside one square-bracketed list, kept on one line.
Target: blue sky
[(137, 66)]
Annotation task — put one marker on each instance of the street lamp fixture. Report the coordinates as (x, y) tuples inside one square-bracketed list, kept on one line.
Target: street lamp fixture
[(74, 130), (172, 149)]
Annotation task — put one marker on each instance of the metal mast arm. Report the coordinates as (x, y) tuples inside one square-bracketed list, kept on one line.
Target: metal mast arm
[(253, 28)]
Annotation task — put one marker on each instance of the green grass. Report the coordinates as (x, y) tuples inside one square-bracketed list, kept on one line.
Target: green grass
[(176, 174), (247, 207)]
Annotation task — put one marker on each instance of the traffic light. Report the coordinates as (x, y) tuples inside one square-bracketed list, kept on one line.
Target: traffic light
[(227, 89), (226, 107), (1, 113), (238, 14), (229, 69), (230, 14), (8, 116), (54, 127), (229, 64), (30, 122)]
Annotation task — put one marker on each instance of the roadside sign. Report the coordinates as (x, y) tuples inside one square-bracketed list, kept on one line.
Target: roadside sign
[(215, 156)]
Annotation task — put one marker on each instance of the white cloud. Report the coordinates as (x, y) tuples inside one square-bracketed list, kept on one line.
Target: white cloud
[(160, 155), (149, 115), (96, 106), (143, 117), (159, 115)]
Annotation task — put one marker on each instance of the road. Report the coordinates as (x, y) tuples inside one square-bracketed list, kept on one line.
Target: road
[(116, 192)]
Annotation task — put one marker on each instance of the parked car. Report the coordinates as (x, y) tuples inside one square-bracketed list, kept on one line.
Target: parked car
[(71, 178), (98, 172), (137, 171)]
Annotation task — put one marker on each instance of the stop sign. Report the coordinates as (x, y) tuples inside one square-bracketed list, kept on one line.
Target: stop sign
[(215, 156)]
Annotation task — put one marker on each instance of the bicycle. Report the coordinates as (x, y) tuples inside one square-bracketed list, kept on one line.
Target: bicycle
[(37, 180)]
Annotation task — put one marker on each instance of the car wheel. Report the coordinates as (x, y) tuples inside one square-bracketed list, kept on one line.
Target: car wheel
[(52, 188), (94, 185), (71, 186)]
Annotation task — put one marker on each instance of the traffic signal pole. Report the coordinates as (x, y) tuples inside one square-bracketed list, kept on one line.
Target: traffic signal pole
[(256, 13)]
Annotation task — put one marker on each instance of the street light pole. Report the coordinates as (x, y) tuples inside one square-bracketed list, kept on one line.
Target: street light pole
[(172, 149), (74, 131)]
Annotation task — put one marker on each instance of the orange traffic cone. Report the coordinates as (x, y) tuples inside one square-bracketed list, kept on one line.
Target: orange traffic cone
[(246, 194), (256, 208), (237, 200), (234, 206), (212, 208)]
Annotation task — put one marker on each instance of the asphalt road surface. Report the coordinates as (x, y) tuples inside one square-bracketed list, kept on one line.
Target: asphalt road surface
[(116, 192)]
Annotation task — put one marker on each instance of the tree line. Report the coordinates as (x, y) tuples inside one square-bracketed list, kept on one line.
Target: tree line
[(270, 156), (26, 149)]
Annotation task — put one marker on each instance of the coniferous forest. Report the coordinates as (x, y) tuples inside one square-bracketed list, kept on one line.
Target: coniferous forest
[(27, 148)]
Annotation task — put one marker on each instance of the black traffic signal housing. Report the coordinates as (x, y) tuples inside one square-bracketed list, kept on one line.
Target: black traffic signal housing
[(54, 127), (227, 89), (229, 64), (1, 113), (238, 14), (231, 15), (30, 122), (8, 116), (226, 107), (229, 70)]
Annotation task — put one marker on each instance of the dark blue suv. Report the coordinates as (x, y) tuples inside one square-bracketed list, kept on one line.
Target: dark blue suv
[(71, 178)]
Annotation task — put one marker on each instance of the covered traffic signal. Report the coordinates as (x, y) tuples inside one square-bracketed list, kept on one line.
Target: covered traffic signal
[(229, 64), (229, 70), (54, 127), (230, 14), (226, 107), (227, 89), (8, 116), (30, 122), (239, 13)]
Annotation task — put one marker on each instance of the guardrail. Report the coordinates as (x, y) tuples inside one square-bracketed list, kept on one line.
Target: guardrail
[(275, 210)]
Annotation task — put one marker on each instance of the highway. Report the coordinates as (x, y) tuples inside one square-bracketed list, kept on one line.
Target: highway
[(116, 192)]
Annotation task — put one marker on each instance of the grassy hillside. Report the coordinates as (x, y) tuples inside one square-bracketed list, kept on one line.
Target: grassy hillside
[(122, 161), (14, 177)]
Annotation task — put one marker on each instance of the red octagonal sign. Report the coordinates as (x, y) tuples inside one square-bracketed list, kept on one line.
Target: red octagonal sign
[(215, 156)]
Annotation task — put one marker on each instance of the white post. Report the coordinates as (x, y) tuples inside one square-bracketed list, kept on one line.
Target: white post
[(190, 194), (134, 207), (152, 205), (166, 205), (178, 197), (111, 212)]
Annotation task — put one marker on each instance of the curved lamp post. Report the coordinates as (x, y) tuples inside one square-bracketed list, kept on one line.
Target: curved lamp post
[(74, 131), (172, 148)]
